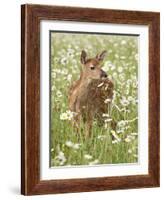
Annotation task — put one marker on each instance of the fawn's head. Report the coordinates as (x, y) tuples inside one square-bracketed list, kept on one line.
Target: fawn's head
[(92, 66)]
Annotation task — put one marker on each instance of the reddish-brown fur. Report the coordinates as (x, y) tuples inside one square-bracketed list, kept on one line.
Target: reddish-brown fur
[(87, 95)]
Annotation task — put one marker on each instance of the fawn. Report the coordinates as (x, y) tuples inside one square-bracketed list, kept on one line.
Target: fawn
[(87, 95)]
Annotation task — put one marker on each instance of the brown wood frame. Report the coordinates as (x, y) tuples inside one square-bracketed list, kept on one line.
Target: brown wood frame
[(31, 16)]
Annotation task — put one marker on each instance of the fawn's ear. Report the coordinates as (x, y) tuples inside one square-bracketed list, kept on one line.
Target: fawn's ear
[(101, 56), (83, 57)]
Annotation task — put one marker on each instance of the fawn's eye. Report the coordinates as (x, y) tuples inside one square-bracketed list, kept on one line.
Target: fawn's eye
[(92, 68)]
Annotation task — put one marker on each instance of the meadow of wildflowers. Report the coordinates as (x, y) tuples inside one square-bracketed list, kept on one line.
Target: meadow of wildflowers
[(106, 145)]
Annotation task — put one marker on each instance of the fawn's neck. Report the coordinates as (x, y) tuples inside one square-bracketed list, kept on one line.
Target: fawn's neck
[(84, 81)]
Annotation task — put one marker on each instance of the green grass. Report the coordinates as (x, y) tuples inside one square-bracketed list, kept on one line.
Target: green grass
[(71, 148)]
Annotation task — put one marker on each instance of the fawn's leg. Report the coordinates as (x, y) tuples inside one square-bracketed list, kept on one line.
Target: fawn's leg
[(76, 123), (75, 107), (88, 126)]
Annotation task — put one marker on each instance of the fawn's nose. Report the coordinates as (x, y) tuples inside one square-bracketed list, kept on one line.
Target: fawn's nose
[(103, 74)]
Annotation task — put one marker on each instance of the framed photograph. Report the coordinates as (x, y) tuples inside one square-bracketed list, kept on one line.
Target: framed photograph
[(90, 99)]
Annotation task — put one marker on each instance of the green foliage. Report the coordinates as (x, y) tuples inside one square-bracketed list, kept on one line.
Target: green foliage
[(105, 146)]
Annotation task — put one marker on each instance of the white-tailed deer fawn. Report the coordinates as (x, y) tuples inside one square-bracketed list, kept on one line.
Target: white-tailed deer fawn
[(87, 95)]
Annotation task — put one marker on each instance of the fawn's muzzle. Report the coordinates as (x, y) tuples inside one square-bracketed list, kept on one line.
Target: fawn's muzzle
[(103, 74)]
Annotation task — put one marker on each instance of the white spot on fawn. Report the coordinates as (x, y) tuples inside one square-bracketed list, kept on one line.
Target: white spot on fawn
[(101, 84)]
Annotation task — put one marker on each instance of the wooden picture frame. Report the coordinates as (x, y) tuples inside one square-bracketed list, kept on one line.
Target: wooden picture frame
[(31, 15)]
